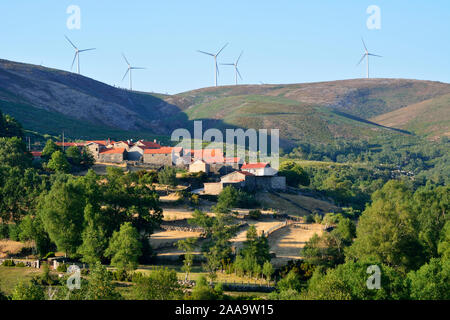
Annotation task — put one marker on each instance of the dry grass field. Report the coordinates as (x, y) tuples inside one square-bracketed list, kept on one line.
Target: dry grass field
[(297, 206), (9, 247), (287, 242), (163, 237), (260, 227)]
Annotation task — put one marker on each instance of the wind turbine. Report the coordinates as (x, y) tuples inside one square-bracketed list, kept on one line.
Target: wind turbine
[(129, 70), (236, 70), (216, 72), (77, 55), (366, 55)]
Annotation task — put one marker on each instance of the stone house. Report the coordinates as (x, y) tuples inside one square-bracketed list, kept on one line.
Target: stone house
[(199, 166), (114, 155), (136, 153), (164, 156), (148, 144)]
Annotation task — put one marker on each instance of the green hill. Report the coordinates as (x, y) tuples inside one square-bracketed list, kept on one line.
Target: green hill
[(430, 118)]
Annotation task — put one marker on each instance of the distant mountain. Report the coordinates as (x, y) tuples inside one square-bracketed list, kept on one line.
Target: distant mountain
[(46, 99), (49, 101)]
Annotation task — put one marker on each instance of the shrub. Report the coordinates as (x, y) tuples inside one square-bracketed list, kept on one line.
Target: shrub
[(20, 265), (255, 214), (62, 267), (121, 275), (309, 218), (8, 263)]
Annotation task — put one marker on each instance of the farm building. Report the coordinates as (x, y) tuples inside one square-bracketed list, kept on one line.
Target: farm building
[(165, 156), (259, 169), (114, 155), (199, 166)]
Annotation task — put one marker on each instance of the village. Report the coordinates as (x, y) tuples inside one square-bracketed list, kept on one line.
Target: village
[(233, 171)]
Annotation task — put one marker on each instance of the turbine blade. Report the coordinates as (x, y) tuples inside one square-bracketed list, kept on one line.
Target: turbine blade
[(221, 49), (364, 55), (364, 44), (209, 54), (217, 69), (239, 57), (239, 73), (227, 64), (375, 55), (125, 59), (73, 62), (137, 68), (87, 50), (71, 43), (128, 70)]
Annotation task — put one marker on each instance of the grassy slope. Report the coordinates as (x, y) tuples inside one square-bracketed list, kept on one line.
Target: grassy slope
[(430, 118), (297, 121), (10, 276)]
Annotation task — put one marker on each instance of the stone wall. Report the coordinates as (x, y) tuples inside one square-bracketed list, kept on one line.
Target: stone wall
[(111, 157), (158, 159)]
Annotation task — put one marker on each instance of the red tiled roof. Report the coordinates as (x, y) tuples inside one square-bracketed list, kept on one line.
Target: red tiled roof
[(36, 153), (113, 151), (259, 165), (149, 144), (163, 150), (101, 142)]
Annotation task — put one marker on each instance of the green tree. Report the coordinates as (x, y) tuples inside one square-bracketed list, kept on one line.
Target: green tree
[(349, 282), (74, 155), (387, 229), (203, 291), (28, 291), (168, 176), (431, 281), (125, 247), (13, 153), (187, 246), (294, 173), (62, 214), (268, 271), (59, 163), (49, 149), (94, 237), (9, 127), (100, 285), (161, 284)]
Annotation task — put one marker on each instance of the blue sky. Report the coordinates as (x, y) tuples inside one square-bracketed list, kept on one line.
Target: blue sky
[(283, 41)]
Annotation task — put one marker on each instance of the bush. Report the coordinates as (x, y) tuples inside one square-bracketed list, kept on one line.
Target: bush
[(20, 265), (62, 268), (309, 218), (255, 214), (121, 275), (8, 263)]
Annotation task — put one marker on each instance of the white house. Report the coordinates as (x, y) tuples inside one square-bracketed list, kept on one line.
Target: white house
[(260, 169)]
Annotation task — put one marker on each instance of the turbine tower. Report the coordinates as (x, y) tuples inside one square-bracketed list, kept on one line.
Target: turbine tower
[(129, 70), (366, 55), (77, 55), (216, 69), (236, 70)]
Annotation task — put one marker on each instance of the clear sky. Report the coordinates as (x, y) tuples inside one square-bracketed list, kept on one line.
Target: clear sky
[(283, 41)]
